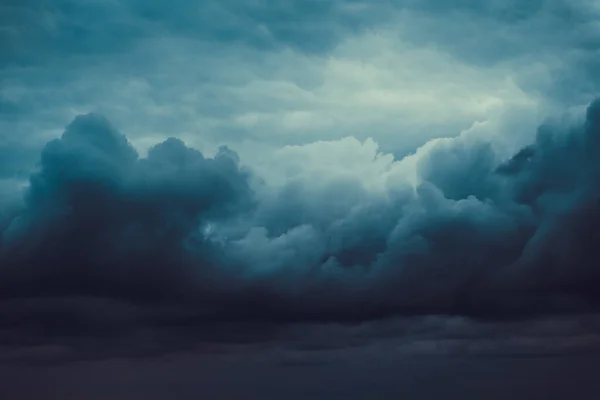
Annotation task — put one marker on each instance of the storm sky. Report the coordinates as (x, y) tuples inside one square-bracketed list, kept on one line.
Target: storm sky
[(298, 174)]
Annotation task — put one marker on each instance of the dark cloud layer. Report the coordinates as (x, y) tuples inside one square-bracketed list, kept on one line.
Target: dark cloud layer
[(52, 29), (94, 204), (67, 27), (185, 240), (321, 270)]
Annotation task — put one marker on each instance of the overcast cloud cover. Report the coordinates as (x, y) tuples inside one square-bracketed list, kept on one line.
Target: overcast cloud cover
[(177, 167)]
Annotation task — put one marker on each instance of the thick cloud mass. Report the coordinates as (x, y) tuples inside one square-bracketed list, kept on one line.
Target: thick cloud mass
[(97, 219), (453, 228)]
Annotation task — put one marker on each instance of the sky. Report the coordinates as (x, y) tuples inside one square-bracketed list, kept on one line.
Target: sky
[(331, 187)]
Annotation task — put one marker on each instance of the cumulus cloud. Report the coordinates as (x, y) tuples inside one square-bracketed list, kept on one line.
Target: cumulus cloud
[(380, 160), (94, 204), (453, 228)]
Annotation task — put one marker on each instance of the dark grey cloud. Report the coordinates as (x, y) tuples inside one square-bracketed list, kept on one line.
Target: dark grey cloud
[(478, 236), (551, 358), (43, 31), (99, 203), (163, 269), (38, 30)]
